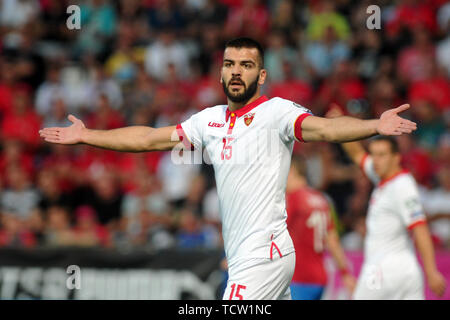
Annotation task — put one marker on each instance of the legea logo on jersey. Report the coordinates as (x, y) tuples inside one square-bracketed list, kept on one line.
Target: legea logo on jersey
[(215, 125)]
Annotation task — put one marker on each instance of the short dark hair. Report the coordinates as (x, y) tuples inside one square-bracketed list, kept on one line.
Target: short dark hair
[(391, 140), (248, 43)]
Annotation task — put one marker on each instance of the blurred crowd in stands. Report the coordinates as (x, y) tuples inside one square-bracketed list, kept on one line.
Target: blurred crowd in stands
[(156, 62)]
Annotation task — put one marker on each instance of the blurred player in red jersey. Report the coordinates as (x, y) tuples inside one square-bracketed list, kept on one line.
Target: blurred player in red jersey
[(312, 230)]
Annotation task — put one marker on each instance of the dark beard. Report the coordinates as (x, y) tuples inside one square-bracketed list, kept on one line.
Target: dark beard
[(246, 95)]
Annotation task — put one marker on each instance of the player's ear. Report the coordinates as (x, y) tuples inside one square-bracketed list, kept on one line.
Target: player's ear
[(262, 76)]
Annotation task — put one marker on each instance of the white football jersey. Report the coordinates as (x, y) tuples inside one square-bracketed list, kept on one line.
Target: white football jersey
[(394, 209), (250, 150)]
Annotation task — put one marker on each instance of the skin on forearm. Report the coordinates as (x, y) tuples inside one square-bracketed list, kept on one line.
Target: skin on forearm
[(425, 247), (131, 139), (335, 249), (341, 129)]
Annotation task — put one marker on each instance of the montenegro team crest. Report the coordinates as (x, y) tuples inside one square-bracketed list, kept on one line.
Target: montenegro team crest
[(248, 118)]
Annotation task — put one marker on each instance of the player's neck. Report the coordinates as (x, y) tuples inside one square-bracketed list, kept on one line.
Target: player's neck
[(392, 172), (233, 106)]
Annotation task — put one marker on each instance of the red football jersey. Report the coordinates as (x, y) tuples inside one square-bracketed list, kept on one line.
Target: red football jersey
[(308, 221)]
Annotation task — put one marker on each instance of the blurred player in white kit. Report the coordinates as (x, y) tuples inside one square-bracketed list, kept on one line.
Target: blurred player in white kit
[(258, 247), (391, 269)]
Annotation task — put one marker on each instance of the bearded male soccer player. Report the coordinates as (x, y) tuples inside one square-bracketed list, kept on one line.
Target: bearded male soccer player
[(258, 247)]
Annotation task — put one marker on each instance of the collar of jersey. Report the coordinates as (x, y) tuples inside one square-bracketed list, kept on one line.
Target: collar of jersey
[(383, 182), (240, 112)]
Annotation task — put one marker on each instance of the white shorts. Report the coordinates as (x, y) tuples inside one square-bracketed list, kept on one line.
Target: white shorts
[(261, 279), (394, 278)]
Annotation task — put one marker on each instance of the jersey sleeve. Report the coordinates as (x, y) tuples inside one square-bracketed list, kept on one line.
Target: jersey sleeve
[(289, 120), (410, 207), (190, 132), (366, 166)]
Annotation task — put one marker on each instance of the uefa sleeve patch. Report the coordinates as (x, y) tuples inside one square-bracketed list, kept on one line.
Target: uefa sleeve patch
[(306, 110)]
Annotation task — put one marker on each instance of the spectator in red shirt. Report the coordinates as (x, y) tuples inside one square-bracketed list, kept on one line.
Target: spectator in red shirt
[(105, 117), (342, 86), (129, 164), (61, 161), (209, 91), (251, 19), (434, 87), (22, 122), (412, 63), (8, 85), (415, 159), (89, 162), (6, 82), (292, 88), (411, 13), (13, 153)]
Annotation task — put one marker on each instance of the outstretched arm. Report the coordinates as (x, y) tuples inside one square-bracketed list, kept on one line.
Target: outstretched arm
[(127, 139), (345, 129), (355, 149)]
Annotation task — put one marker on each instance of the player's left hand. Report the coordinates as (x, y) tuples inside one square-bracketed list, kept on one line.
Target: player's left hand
[(437, 283), (390, 124), (349, 282)]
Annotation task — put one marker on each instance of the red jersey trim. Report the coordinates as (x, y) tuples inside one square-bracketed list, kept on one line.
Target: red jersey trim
[(415, 224), (273, 244), (232, 123), (383, 182), (363, 161), (298, 126), (183, 138), (240, 112)]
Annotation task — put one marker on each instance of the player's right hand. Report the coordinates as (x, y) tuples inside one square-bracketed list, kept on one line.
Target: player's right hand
[(67, 135), (437, 283)]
